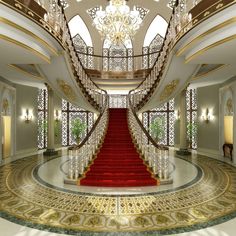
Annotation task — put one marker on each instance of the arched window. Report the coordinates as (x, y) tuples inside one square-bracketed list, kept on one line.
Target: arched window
[(153, 40), (158, 26), (69, 112), (82, 41), (77, 26), (117, 57)]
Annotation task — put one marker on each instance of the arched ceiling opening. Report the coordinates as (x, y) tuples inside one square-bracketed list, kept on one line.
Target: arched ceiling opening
[(78, 26), (154, 7), (157, 26)]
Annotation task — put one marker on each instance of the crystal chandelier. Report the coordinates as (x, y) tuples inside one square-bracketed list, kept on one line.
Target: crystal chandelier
[(117, 23)]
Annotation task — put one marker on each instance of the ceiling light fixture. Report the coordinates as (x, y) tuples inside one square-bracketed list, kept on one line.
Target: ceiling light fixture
[(117, 23)]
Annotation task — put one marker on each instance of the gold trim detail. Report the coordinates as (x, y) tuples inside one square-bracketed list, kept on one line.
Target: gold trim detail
[(206, 13), (169, 89), (20, 28), (208, 72), (229, 105), (219, 5), (200, 52), (66, 89), (23, 197), (22, 45), (18, 6), (215, 28), (25, 72)]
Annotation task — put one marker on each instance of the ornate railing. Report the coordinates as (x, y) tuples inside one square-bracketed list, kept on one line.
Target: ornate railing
[(155, 156), (117, 101), (185, 17), (91, 91), (50, 15), (81, 156), (118, 63)]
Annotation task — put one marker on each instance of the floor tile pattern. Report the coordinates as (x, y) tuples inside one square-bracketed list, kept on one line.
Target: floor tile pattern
[(210, 201)]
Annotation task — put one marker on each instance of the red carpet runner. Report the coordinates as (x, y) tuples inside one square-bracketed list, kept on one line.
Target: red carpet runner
[(118, 164)]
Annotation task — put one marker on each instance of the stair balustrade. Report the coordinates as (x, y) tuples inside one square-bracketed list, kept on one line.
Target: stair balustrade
[(155, 156), (50, 15), (185, 16), (81, 156)]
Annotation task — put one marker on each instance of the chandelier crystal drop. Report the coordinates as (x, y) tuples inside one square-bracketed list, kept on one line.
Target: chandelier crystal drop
[(117, 23)]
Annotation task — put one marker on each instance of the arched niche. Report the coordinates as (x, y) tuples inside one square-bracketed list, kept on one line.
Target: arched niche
[(7, 127), (226, 117)]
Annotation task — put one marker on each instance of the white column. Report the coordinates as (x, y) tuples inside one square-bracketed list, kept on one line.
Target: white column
[(50, 121), (183, 125), (1, 122), (234, 124), (1, 138), (221, 120)]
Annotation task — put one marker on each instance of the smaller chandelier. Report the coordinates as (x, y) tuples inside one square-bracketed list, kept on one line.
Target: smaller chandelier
[(117, 23)]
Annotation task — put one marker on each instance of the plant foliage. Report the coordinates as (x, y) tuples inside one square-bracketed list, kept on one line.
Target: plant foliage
[(157, 129)]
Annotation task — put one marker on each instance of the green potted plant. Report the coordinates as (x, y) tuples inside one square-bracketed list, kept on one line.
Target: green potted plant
[(157, 129), (77, 129), (191, 131), (44, 127)]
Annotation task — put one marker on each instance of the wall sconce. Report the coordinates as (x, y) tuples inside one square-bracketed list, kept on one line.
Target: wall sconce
[(177, 115), (27, 115), (57, 115), (207, 116)]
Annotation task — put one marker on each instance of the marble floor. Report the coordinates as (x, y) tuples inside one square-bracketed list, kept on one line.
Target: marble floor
[(35, 201)]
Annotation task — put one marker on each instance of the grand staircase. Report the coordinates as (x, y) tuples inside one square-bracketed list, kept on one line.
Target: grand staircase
[(118, 164)]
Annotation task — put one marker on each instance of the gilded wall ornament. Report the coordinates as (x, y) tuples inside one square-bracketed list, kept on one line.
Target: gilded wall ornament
[(229, 105), (169, 89), (66, 89), (5, 106)]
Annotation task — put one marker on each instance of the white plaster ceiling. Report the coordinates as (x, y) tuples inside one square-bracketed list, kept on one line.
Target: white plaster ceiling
[(154, 7)]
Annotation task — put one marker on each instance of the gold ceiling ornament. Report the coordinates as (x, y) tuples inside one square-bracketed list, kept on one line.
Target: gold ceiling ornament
[(117, 23), (66, 89), (169, 89)]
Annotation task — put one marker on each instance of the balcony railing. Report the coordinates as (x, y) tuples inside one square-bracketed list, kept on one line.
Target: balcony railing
[(185, 17), (50, 15), (155, 156), (107, 63), (81, 156)]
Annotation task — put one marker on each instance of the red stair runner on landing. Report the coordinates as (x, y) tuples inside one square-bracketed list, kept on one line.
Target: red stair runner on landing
[(118, 164)]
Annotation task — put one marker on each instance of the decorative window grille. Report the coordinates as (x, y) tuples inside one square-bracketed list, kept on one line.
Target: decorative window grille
[(118, 58), (155, 46), (117, 101), (64, 4), (143, 11), (119, 62), (69, 113), (84, 52), (172, 4), (42, 118), (166, 111), (191, 102), (92, 11)]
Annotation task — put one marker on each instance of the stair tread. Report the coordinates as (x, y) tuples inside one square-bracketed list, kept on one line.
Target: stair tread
[(118, 164)]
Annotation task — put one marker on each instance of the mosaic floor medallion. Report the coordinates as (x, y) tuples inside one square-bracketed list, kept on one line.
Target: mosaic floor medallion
[(208, 201)]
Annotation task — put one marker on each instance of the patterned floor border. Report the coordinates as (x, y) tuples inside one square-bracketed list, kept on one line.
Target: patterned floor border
[(223, 197)]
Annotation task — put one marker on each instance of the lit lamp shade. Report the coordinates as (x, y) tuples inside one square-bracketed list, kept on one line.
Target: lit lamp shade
[(228, 127)]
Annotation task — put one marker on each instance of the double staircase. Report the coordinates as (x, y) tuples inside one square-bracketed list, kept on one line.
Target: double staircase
[(38, 34), (118, 164)]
